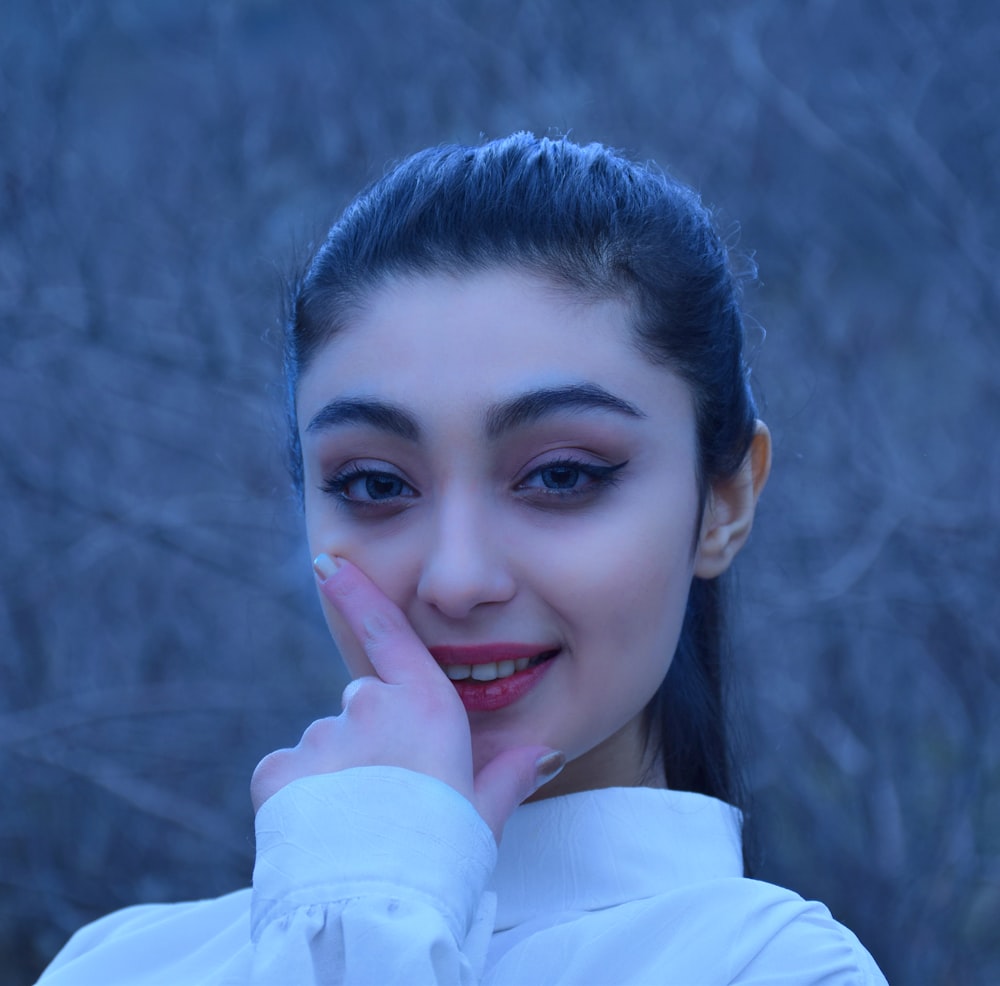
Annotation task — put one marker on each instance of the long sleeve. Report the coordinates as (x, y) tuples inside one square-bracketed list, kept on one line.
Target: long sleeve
[(380, 875), (371, 875)]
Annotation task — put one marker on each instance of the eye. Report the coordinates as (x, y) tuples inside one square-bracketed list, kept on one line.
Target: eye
[(361, 487), (562, 476), (566, 479)]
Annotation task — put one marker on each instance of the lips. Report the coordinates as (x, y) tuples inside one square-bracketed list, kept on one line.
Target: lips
[(491, 676)]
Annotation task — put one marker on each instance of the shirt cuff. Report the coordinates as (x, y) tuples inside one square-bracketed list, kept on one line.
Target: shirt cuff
[(371, 832)]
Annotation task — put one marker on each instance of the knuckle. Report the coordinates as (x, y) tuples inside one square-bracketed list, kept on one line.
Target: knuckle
[(318, 734), (270, 775), (270, 764), (361, 696), (380, 626)]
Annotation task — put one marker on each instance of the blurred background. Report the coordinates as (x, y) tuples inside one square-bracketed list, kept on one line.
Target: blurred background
[(163, 163)]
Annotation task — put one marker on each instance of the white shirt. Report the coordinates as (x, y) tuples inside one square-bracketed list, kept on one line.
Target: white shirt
[(380, 875)]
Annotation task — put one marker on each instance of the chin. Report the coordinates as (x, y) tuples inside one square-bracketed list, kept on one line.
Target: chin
[(487, 744)]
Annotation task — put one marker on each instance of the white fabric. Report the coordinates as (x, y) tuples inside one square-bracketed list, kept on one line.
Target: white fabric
[(379, 875)]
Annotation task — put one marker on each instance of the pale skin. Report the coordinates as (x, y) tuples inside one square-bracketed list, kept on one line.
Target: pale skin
[(492, 519)]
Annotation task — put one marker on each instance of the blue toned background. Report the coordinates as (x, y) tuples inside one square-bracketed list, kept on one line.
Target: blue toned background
[(162, 163)]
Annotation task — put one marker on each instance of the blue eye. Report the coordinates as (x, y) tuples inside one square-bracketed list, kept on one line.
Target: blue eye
[(383, 487), (563, 479), (561, 476), (357, 486), (561, 482)]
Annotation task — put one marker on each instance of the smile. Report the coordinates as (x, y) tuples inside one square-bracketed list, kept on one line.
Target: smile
[(491, 676), (485, 672)]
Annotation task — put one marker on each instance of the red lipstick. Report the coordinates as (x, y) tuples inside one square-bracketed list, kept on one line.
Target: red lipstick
[(486, 653), (488, 696)]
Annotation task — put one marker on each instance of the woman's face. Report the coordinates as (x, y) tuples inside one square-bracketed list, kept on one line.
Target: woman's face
[(503, 463)]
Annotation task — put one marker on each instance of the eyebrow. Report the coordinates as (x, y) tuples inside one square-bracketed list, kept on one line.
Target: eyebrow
[(535, 404), (500, 418), (366, 411)]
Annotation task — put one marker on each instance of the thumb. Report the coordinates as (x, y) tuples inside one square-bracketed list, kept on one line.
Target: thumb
[(510, 778)]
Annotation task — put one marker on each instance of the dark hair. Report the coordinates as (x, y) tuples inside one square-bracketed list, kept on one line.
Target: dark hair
[(587, 218)]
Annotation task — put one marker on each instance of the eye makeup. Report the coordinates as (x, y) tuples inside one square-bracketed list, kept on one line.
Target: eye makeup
[(567, 481), (563, 481), (362, 488)]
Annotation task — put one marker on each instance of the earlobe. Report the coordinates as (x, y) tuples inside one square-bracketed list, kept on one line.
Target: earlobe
[(730, 509)]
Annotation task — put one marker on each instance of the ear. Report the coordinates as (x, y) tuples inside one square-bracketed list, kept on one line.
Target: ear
[(729, 511)]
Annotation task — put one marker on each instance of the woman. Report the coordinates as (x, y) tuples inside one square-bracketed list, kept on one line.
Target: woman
[(527, 450)]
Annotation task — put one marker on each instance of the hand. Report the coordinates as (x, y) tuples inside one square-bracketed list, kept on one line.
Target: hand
[(408, 716)]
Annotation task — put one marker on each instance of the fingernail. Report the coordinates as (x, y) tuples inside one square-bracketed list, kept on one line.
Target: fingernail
[(324, 566), (548, 766)]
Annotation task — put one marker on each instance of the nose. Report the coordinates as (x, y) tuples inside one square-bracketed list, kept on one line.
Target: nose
[(465, 566)]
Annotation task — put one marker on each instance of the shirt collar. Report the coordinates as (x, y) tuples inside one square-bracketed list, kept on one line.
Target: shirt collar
[(596, 849)]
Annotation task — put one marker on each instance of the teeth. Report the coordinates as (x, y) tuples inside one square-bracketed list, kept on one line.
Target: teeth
[(485, 672)]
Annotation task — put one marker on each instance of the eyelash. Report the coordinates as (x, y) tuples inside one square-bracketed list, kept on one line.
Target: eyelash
[(336, 486), (601, 477)]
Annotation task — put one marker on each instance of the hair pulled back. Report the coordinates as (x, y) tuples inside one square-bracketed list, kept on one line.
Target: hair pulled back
[(588, 219)]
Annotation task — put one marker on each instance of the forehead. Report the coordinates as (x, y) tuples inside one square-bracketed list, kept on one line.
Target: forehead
[(486, 332)]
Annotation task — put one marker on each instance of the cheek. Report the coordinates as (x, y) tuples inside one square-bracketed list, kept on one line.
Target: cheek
[(639, 607), (624, 587), (388, 561), (647, 619), (386, 556)]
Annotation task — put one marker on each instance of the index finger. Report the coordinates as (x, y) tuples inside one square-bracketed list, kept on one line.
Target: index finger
[(396, 652)]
